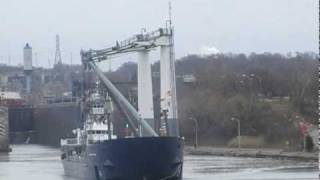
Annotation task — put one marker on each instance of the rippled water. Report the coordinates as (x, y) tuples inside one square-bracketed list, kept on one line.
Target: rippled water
[(34, 162), (232, 168)]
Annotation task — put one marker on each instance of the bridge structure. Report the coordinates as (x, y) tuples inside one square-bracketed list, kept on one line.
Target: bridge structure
[(142, 44)]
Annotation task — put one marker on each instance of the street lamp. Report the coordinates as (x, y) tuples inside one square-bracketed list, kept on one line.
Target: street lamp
[(196, 131), (239, 131)]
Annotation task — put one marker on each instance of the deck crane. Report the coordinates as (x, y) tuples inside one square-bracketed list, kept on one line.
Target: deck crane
[(142, 44)]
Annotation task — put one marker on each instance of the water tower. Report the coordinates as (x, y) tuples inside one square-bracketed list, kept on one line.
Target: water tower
[(27, 62)]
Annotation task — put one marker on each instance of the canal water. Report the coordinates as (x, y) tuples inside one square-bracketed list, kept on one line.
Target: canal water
[(35, 162)]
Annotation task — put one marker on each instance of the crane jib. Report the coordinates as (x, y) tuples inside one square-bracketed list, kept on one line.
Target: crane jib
[(129, 111)]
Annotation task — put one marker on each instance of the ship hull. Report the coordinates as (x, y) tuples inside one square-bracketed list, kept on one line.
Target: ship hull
[(147, 158)]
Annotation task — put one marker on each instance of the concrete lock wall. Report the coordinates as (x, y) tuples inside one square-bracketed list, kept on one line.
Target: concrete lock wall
[(21, 124), (55, 121), (4, 129)]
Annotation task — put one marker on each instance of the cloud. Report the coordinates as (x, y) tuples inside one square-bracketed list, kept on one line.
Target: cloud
[(209, 50)]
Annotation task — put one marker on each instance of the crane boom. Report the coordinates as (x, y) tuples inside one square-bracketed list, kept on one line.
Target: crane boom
[(129, 111), (133, 44), (141, 43)]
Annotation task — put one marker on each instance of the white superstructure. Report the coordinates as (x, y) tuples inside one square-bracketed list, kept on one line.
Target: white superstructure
[(8, 95), (97, 126), (98, 131)]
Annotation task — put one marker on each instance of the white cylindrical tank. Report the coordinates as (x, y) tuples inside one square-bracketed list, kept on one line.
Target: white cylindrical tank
[(27, 58)]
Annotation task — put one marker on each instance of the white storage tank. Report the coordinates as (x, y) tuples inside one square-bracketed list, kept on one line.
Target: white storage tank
[(27, 58)]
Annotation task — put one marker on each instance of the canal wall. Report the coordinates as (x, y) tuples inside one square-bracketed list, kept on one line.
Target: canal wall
[(251, 152), (21, 124), (55, 121), (4, 130)]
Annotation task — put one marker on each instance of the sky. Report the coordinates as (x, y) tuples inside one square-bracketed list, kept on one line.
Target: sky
[(237, 26)]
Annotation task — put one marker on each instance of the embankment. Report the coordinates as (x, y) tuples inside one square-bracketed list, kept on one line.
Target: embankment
[(254, 153)]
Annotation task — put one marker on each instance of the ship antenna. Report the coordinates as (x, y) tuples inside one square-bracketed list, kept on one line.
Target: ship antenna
[(170, 14)]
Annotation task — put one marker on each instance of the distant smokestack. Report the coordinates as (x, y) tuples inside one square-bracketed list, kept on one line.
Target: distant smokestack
[(27, 62)]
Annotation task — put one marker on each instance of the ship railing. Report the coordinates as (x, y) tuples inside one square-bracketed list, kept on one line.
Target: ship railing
[(70, 141), (93, 138)]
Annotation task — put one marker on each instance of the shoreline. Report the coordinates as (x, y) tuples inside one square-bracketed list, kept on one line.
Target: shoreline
[(251, 153)]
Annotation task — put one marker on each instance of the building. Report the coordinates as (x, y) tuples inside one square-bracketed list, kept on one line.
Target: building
[(11, 99)]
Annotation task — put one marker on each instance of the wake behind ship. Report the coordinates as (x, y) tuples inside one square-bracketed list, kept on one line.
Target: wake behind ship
[(96, 153)]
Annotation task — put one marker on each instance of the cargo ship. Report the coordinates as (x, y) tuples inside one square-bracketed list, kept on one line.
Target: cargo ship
[(96, 152)]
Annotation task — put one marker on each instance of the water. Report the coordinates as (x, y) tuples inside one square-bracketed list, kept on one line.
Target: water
[(34, 162), (233, 168)]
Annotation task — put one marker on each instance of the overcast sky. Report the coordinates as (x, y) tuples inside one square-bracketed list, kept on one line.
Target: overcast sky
[(238, 26)]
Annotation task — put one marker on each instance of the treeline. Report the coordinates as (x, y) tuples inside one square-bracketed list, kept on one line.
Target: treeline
[(269, 93)]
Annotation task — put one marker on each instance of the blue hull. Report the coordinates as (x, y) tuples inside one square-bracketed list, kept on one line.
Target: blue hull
[(147, 158)]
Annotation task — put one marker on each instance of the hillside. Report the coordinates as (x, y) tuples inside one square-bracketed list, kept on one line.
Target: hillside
[(269, 93)]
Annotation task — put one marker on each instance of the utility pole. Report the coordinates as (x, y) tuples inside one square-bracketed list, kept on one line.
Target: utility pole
[(196, 132), (49, 63), (9, 59), (239, 131), (170, 13), (35, 59), (71, 58), (196, 122)]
